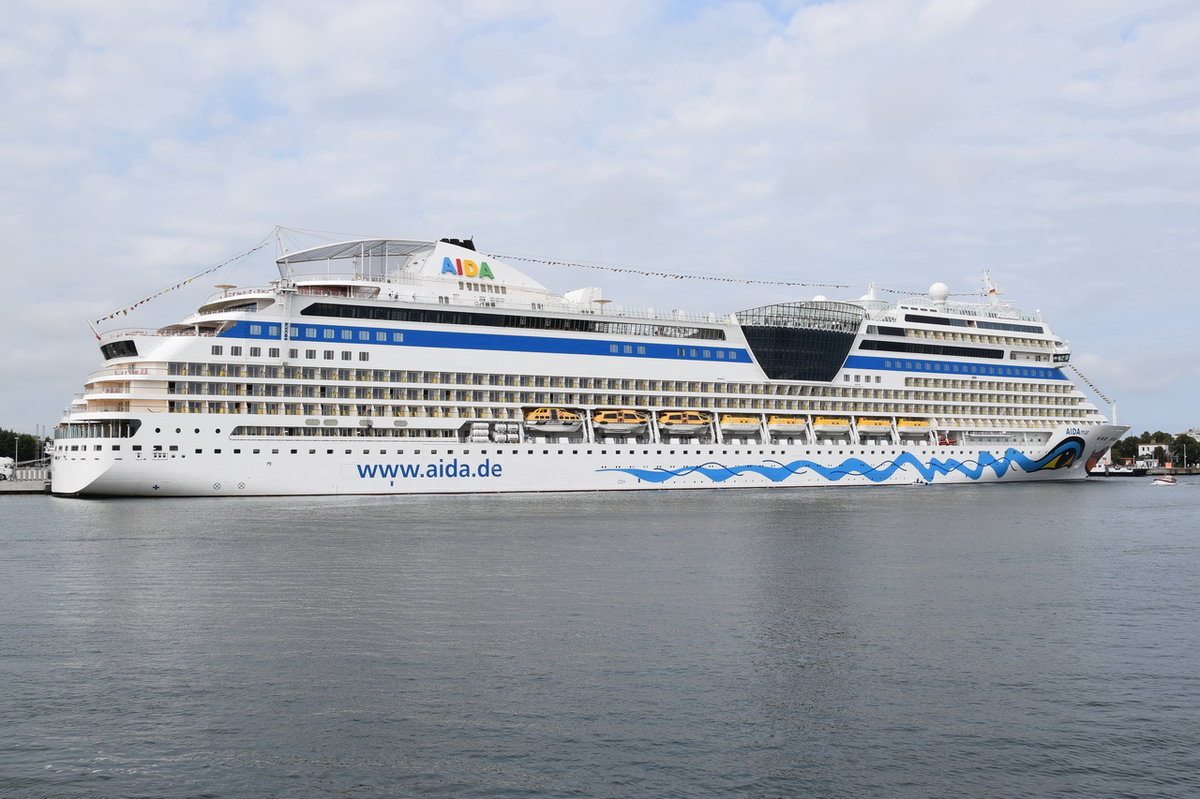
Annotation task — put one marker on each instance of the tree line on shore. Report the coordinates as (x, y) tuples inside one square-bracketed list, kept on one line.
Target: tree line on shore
[(21, 447), (1176, 449)]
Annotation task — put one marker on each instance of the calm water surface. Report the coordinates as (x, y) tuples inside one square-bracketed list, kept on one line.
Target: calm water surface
[(1025, 641)]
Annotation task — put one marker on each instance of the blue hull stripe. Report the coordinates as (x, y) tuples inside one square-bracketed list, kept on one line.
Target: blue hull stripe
[(328, 336)]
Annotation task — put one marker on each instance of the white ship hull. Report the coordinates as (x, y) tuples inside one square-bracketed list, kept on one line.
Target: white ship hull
[(533, 467)]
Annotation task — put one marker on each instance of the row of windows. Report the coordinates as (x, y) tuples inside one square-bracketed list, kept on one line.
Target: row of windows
[(489, 288), (331, 334), (991, 385), (173, 448), (954, 321), (311, 354), (1032, 372), (113, 429), (273, 352), (931, 349), (975, 393), (1008, 341), (572, 324), (987, 391), (316, 373), (947, 335), (682, 352), (408, 411)]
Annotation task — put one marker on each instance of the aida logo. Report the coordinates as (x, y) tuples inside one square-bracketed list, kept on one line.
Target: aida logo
[(465, 268)]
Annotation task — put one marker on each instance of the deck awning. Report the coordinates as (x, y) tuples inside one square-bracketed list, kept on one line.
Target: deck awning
[(361, 248)]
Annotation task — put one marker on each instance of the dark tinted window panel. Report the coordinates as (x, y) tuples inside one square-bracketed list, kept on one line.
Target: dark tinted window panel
[(930, 349), (802, 340), (648, 327), (976, 323), (118, 349), (791, 354)]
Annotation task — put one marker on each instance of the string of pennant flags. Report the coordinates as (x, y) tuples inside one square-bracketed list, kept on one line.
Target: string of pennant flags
[(671, 275), (617, 269), (1089, 383), (714, 278), (125, 311)]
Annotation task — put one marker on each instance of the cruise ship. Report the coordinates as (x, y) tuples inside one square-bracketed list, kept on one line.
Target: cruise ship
[(387, 366)]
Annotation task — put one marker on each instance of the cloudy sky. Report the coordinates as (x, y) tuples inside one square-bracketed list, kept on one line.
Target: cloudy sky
[(1056, 144)]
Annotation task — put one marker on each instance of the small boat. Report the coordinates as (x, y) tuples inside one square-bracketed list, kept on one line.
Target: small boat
[(831, 424), (947, 441), (620, 421), (787, 425), (1109, 470), (1164, 480), (873, 427), (731, 423), (553, 420), (912, 427), (683, 423)]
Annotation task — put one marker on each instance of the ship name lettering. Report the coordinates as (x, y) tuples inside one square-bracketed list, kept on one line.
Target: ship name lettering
[(466, 268)]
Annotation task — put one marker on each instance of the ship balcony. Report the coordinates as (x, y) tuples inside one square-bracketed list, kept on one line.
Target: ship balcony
[(93, 395), (108, 406), (125, 371)]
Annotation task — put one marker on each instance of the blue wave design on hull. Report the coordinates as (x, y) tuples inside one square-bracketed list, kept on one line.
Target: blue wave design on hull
[(1062, 456)]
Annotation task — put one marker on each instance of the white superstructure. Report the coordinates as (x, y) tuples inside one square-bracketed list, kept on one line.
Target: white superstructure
[(389, 366)]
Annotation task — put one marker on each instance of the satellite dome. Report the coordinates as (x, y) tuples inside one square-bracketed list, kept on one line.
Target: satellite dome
[(938, 292), (819, 298)]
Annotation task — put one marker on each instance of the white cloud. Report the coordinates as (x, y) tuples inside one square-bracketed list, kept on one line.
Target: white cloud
[(900, 141)]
